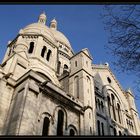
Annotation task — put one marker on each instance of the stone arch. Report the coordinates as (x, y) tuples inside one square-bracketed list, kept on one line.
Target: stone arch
[(55, 116), (38, 69), (72, 127), (44, 76), (107, 88), (42, 115), (19, 48), (22, 43), (45, 126), (110, 91)]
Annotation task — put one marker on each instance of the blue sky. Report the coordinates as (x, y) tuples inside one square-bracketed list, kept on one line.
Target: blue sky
[(81, 24)]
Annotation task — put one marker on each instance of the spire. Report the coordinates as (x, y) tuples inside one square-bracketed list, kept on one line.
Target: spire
[(42, 18), (53, 24)]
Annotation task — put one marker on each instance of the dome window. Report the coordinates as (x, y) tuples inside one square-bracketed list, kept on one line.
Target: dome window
[(48, 55), (31, 47), (43, 51)]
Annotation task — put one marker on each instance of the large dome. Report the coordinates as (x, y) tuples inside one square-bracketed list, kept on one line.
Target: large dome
[(38, 28), (51, 33)]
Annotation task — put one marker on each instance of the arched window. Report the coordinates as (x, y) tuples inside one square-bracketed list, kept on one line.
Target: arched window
[(120, 133), (31, 47), (76, 86), (60, 123), (48, 55), (90, 130), (102, 125), (98, 126), (108, 103), (58, 67), (45, 126), (43, 51), (72, 133), (102, 106), (113, 106), (119, 111)]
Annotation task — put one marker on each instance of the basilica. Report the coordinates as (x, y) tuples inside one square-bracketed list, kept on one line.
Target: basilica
[(49, 90)]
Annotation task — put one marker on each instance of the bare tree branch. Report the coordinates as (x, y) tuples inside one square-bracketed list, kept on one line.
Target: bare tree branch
[(123, 24)]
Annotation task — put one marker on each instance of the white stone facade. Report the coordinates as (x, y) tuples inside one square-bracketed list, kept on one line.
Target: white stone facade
[(47, 89)]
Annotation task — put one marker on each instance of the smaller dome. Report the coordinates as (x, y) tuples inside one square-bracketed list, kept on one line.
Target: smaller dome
[(37, 28), (60, 37), (53, 24)]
